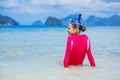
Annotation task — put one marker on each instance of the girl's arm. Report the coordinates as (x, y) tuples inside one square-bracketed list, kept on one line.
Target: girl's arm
[(89, 53), (67, 53)]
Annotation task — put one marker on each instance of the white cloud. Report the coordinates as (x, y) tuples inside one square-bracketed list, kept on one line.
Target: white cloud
[(43, 3), (9, 3), (60, 6)]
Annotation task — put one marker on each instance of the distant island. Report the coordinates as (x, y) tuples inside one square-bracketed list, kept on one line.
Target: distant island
[(96, 21), (7, 21), (37, 23), (90, 21), (53, 21)]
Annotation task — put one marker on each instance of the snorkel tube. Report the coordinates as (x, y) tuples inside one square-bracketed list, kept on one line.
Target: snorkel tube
[(79, 17), (78, 20)]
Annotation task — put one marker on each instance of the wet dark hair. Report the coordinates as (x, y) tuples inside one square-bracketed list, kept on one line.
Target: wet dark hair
[(81, 27)]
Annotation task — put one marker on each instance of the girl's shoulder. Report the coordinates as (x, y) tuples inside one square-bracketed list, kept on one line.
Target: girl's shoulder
[(84, 36), (81, 35), (71, 37), (77, 36)]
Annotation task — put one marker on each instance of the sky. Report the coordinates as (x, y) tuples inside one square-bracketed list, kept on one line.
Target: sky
[(27, 11)]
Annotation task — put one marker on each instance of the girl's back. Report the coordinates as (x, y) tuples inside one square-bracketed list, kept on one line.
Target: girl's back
[(78, 49)]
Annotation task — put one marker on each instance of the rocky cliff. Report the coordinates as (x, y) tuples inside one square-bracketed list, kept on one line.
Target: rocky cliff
[(7, 21), (52, 21)]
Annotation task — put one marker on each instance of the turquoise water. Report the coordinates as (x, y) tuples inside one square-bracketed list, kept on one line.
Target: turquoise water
[(34, 53)]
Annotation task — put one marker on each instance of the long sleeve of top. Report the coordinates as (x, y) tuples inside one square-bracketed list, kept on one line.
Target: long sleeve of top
[(76, 49), (89, 54), (68, 51)]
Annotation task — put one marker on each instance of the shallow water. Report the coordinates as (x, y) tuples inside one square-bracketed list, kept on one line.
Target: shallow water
[(37, 54)]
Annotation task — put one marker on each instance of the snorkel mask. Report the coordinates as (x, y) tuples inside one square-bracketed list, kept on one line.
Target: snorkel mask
[(75, 21)]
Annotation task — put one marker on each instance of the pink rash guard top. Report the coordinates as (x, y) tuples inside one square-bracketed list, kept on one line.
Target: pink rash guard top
[(77, 47)]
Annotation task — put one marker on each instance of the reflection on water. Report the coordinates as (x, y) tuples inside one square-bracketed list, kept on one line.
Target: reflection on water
[(37, 54)]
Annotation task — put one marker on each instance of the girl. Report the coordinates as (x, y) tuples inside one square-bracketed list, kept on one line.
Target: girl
[(78, 46)]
